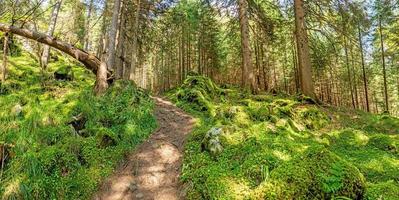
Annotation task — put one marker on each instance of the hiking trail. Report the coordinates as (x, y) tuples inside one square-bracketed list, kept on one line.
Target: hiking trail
[(152, 170)]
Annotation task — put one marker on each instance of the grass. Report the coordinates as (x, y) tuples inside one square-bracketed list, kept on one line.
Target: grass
[(47, 157), (277, 147)]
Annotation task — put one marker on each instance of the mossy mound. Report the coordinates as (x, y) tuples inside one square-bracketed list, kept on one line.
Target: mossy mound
[(200, 92), (317, 174)]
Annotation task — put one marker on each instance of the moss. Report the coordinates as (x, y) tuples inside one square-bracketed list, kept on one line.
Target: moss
[(50, 160), (199, 91), (280, 148), (311, 117), (317, 174), (383, 191), (384, 142)]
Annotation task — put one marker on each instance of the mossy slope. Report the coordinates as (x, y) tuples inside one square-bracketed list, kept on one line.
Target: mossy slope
[(50, 159), (279, 147)]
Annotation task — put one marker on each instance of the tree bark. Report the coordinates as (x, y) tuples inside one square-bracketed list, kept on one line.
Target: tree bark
[(53, 21), (248, 78), (101, 77), (364, 71), (135, 41), (383, 66), (4, 65), (305, 68), (349, 72), (87, 26), (112, 36), (90, 61)]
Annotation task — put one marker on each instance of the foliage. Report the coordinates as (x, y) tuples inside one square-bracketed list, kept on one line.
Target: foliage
[(51, 159)]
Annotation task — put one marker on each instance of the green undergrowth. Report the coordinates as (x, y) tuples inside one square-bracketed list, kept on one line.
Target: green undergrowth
[(280, 147), (61, 140)]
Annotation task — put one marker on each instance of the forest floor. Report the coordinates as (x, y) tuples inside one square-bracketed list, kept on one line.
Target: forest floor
[(152, 171)]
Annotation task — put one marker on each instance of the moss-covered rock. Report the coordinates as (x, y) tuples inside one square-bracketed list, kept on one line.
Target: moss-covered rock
[(211, 142), (312, 117), (199, 91), (317, 174)]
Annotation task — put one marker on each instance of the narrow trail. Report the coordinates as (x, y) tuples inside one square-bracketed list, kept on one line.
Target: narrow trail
[(152, 171)]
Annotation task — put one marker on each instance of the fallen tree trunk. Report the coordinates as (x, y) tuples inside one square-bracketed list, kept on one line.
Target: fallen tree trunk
[(90, 61)]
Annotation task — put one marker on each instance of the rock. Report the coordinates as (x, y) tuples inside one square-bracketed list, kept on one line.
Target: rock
[(139, 195), (296, 126), (133, 186), (232, 111), (17, 110), (281, 123), (78, 122), (211, 142), (64, 74)]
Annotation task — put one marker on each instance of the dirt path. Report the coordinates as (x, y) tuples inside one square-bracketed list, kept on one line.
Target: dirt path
[(153, 169)]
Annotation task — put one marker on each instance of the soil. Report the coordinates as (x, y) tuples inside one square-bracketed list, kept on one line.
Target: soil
[(152, 171)]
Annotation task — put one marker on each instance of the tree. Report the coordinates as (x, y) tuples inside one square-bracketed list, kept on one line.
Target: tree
[(4, 64), (90, 61), (50, 32), (248, 78), (112, 36), (305, 68), (135, 40), (384, 71)]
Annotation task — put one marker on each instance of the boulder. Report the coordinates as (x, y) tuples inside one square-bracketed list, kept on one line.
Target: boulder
[(211, 142)]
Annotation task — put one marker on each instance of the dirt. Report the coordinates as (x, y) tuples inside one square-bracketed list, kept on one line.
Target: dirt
[(152, 171)]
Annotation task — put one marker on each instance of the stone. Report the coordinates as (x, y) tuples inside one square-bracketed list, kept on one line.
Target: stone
[(17, 110), (139, 195)]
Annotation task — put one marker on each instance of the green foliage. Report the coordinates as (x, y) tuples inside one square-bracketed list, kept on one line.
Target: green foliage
[(49, 158), (279, 148)]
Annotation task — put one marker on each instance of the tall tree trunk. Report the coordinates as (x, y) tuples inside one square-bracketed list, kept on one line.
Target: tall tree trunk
[(50, 32), (112, 36), (305, 68), (349, 72), (364, 71), (87, 26), (248, 79), (101, 76), (383, 65), (121, 46), (135, 40), (4, 65)]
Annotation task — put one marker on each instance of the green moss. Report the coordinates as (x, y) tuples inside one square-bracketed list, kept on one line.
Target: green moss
[(384, 142), (317, 174), (311, 117), (383, 191), (199, 92), (280, 148)]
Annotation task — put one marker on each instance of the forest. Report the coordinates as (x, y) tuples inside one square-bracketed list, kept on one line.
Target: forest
[(199, 99)]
